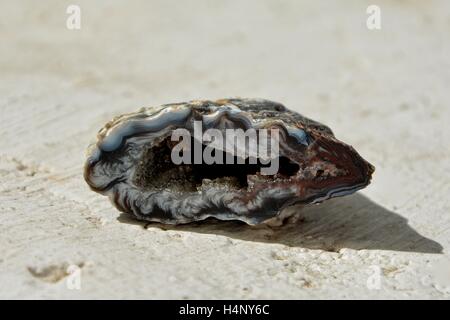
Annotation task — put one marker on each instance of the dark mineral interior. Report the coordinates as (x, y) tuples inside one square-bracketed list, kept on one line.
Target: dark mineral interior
[(156, 171)]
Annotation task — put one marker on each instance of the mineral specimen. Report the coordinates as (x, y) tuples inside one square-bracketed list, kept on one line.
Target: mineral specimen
[(135, 164)]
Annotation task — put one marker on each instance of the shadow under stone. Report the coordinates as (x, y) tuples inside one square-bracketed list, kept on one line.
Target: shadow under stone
[(353, 222)]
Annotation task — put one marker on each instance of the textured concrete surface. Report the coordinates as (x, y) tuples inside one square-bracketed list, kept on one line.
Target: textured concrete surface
[(386, 92)]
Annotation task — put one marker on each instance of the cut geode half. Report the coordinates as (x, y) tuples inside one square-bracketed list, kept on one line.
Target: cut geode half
[(131, 164)]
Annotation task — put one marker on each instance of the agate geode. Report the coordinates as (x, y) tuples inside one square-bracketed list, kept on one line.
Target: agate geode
[(131, 163)]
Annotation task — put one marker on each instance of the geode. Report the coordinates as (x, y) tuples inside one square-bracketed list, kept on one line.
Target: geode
[(132, 163)]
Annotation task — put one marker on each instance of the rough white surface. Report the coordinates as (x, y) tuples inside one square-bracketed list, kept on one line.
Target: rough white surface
[(385, 92)]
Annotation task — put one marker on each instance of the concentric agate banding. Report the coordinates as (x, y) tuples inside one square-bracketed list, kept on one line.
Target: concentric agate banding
[(129, 163)]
